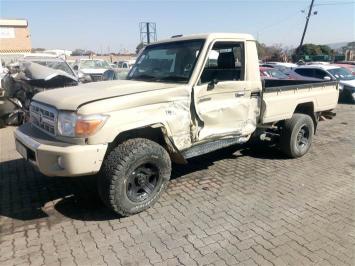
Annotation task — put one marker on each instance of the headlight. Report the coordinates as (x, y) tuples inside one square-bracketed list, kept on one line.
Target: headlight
[(72, 125)]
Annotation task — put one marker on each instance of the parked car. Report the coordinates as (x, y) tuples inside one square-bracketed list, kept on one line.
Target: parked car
[(272, 73), (335, 73), (349, 67), (52, 62), (125, 64), (175, 105), (123, 68), (25, 79), (92, 68), (113, 66)]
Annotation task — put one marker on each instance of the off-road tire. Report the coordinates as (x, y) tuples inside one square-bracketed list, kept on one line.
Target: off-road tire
[(121, 163), (290, 132)]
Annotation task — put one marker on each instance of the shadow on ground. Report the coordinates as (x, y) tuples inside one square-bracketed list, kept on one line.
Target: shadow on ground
[(27, 195)]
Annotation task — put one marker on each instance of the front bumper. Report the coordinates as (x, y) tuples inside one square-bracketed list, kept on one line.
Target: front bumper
[(56, 158)]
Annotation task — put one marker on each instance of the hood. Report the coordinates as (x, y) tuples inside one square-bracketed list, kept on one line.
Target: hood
[(350, 83), (93, 70), (42, 76), (70, 98)]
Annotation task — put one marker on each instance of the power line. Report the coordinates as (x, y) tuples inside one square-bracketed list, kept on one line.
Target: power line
[(279, 22), (335, 3)]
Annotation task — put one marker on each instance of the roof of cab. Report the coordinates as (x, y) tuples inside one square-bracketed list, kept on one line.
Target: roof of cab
[(209, 36)]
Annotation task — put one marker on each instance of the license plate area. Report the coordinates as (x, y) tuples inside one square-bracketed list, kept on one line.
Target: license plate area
[(21, 149)]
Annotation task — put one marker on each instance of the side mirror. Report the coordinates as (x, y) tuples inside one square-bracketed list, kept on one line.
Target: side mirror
[(212, 84), (327, 78), (76, 67)]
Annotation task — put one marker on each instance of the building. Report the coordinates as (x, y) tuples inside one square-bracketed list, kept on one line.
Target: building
[(14, 36), (350, 54)]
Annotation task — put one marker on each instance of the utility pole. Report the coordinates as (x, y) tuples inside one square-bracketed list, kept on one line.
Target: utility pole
[(306, 26), (148, 33)]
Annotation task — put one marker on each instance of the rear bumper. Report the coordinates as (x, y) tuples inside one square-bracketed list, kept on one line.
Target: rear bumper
[(55, 158)]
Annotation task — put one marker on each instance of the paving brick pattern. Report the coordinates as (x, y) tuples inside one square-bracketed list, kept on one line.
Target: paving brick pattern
[(244, 207)]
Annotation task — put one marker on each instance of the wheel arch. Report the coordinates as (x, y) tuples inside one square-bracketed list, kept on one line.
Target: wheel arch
[(154, 132), (307, 108)]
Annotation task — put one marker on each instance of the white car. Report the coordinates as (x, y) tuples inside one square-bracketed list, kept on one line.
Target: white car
[(95, 68), (280, 65), (332, 72)]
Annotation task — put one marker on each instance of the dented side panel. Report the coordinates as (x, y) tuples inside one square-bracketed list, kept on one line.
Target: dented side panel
[(169, 108)]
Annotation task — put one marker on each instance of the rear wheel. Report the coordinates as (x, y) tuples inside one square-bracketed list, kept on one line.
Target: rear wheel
[(134, 175), (297, 135)]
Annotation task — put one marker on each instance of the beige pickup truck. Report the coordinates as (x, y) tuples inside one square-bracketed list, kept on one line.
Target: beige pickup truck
[(184, 97)]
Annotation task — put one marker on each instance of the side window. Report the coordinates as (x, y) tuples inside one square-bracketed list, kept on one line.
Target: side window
[(225, 62), (307, 72), (320, 74)]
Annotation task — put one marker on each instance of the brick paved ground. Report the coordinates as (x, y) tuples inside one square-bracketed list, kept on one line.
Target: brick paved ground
[(244, 208)]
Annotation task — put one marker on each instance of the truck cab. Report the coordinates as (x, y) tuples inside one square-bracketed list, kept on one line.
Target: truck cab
[(184, 97)]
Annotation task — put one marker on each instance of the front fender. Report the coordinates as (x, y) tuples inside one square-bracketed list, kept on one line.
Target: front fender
[(174, 117)]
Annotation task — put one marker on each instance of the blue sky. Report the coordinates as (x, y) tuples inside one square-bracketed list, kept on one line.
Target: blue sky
[(103, 25)]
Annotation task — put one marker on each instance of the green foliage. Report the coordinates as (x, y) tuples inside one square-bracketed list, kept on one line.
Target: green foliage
[(311, 50)]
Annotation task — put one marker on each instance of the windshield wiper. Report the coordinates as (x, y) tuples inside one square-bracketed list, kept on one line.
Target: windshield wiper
[(143, 77), (173, 78)]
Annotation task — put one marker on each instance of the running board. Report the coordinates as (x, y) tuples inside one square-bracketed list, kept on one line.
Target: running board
[(207, 147)]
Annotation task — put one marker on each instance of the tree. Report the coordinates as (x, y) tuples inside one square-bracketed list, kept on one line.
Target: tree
[(78, 52), (271, 53), (311, 49)]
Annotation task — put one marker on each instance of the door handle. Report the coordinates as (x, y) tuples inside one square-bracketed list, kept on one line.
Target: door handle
[(239, 94)]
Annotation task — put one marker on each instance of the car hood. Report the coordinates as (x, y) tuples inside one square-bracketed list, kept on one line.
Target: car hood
[(70, 98), (350, 83)]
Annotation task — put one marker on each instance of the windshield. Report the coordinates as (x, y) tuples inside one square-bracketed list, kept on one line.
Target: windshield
[(94, 64), (274, 73), (341, 73), (59, 65), (170, 62)]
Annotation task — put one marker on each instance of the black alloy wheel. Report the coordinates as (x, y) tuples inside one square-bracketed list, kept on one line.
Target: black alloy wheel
[(142, 182)]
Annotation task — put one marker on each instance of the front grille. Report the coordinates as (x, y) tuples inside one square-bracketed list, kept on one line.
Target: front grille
[(96, 77), (44, 117)]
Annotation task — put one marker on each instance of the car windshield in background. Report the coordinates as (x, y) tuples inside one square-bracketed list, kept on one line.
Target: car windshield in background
[(92, 64), (275, 74), (59, 65), (167, 62), (341, 73)]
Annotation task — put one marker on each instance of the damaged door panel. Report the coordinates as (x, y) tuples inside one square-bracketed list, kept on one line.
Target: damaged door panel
[(223, 96)]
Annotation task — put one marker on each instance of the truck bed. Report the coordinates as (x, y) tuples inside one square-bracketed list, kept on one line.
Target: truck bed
[(281, 97)]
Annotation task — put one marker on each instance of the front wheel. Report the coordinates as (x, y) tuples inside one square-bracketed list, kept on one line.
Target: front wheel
[(134, 175), (296, 135)]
